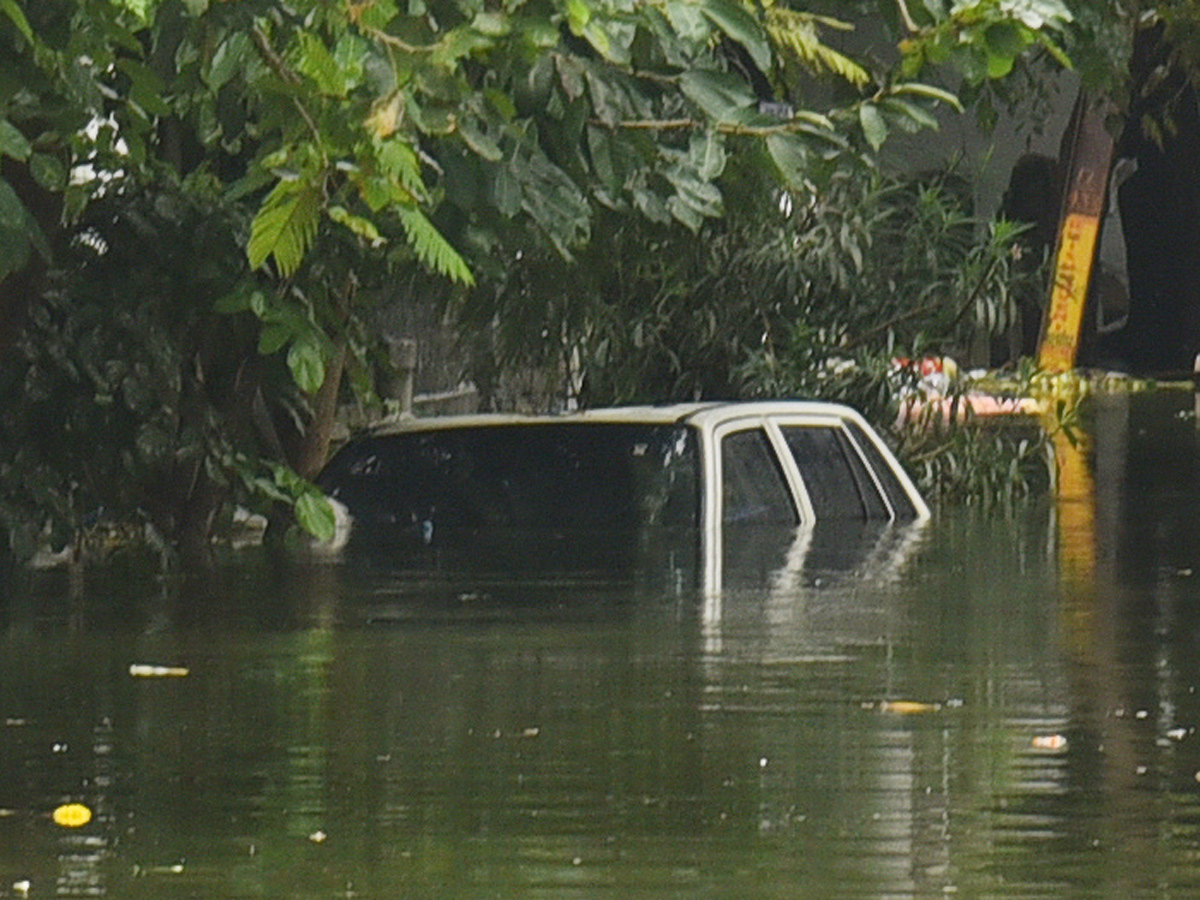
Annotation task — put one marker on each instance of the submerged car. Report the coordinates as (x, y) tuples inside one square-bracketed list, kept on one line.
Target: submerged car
[(700, 467)]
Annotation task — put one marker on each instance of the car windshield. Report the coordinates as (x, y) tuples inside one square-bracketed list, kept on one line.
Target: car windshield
[(557, 476)]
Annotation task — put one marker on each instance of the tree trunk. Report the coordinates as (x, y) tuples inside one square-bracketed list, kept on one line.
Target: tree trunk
[(307, 452)]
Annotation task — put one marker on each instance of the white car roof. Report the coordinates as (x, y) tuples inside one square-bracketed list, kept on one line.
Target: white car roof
[(702, 414)]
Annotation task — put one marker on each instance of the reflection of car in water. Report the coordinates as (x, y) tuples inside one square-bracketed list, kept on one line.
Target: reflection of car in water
[(643, 484)]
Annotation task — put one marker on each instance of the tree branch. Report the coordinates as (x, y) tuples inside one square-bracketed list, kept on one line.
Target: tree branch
[(280, 68), (735, 128)]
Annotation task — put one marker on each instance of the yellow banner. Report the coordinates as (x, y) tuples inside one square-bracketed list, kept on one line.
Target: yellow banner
[(1072, 272)]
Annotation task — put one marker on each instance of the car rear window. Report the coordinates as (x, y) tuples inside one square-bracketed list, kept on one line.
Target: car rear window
[(527, 476)]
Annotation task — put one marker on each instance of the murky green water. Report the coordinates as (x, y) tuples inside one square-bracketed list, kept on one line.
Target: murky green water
[(996, 707)]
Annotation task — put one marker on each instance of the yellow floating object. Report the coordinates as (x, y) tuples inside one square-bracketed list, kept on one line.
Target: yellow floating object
[(72, 815), (142, 671), (908, 707)]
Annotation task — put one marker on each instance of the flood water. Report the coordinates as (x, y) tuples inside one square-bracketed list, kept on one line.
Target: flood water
[(995, 706)]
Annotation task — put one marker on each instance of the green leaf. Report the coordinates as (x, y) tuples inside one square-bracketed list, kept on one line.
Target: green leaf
[(998, 66), (227, 60), (553, 200), (399, 161), (506, 192), (314, 513), (17, 16), (14, 251), (285, 226), (13, 214), (378, 14), (722, 97), (578, 15), (707, 154), (790, 155), (651, 205), (140, 8), (688, 21), (1054, 50), (146, 88), (911, 117), (307, 365), (929, 91), (349, 53), (694, 199), (874, 125), (479, 142), (739, 25), (12, 142), (612, 40), (48, 171), (600, 151), (231, 304), (431, 248), (364, 228), (273, 336), (459, 43), (797, 33), (1004, 39), (315, 61)]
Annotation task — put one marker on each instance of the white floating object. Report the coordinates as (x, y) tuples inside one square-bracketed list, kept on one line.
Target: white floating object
[(139, 670)]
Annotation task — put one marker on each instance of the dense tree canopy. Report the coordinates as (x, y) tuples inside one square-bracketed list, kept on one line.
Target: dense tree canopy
[(197, 197)]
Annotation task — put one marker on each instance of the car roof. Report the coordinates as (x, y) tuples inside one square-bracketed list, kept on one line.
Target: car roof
[(703, 414)]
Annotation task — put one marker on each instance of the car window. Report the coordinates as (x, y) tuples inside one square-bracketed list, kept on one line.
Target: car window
[(839, 485), (753, 488), (545, 476), (902, 505)]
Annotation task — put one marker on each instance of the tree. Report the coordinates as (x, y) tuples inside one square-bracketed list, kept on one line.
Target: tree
[(339, 143)]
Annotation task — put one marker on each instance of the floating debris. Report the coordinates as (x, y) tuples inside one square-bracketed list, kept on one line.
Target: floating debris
[(175, 869), (21, 888), (908, 707), (72, 815), (139, 670), (1177, 734), (1051, 742), (318, 837)]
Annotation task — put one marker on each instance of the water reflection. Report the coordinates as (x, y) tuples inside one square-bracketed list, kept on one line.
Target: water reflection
[(992, 706)]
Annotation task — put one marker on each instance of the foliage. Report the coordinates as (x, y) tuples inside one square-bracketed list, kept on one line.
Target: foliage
[(979, 463), (336, 147), (130, 388), (776, 300)]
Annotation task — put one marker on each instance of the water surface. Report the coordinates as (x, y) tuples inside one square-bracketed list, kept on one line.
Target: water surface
[(995, 706)]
